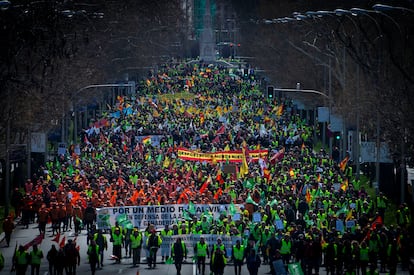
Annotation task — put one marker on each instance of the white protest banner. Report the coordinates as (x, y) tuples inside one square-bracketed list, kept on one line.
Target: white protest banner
[(158, 215), (191, 240)]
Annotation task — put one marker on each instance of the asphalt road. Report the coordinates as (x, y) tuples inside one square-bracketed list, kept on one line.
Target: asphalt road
[(23, 236)]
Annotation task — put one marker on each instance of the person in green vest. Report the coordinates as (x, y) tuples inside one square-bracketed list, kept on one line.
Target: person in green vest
[(36, 256), (363, 257), (21, 260), (201, 251), (101, 241), (136, 244), (218, 262), (166, 234), (178, 253), (286, 249), (238, 256), (153, 244), (93, 256), (392, 256), (381, 204), (117, 241), (220, 245)]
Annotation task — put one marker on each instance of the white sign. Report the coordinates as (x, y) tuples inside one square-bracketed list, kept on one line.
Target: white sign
[(190, 241), (38, 142), (323, 114), (158, 215), (369, 152), (61, 149)]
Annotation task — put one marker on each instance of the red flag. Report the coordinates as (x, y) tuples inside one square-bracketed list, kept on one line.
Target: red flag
[(36, 241), (62, 242), (56, 238), (216, 139), (219, 177), (278, 156), (377, 221), (308, 195), (266, 174), (205, 185), (218, 193), (221, 130)]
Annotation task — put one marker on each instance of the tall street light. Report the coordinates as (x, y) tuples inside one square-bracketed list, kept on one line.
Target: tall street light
[(74, 99)]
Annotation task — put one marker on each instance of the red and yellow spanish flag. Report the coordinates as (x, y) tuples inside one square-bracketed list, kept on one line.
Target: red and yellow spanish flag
[(343, 163), (146, 140)]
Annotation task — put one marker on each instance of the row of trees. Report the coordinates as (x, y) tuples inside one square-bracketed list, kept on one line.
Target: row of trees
[(367, 55), (51, 48)]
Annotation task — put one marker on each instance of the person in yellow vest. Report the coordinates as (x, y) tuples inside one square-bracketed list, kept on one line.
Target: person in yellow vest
[(218, 262), (153, 244), (363, 257), (136, 244), (178, 253), (21, 260), (285, 249), (220, 245), (238, 256), (381, 204), (117, 241), (201, 251), (101, 241), (166, 234), (93, 256), (36, 256)]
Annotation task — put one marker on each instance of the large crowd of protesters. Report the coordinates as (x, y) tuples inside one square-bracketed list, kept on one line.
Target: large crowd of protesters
[(209, 108)]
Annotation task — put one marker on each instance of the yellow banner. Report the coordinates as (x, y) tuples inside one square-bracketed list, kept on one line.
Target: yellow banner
[(230, 156)]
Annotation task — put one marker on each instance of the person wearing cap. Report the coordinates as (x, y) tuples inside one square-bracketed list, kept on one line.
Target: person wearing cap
[(117, 241), (238, 256), (201, 251), (178, 253), (101, 241), (136, 244)]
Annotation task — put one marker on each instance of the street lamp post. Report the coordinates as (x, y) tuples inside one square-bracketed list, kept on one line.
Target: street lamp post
[(74, 98)]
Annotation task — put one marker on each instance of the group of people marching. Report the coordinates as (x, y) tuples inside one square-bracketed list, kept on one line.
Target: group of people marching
[(313, 211)]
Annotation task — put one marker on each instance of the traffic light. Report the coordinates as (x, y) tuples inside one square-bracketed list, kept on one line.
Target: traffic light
[(338, 135), (270, 92)]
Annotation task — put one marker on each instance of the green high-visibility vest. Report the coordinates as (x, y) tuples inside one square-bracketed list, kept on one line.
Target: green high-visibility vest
[(21, 257), (136, 240), (117, 239), (36, 256), (201, 249), (363, 254), (238, 252), (286, 246)]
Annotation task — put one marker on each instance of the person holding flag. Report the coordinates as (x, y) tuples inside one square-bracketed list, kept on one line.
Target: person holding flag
[(21, 260)]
